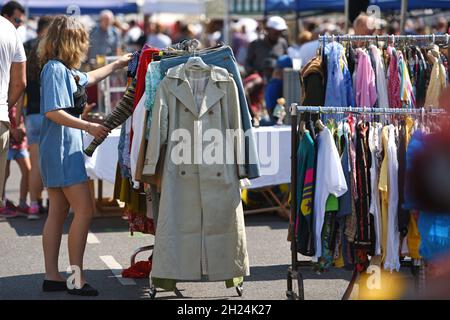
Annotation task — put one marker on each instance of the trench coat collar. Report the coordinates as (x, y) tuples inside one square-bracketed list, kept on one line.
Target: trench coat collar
[(182, 89)]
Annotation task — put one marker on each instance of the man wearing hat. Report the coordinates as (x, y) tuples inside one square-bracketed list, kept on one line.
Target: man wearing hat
[(262, 52)]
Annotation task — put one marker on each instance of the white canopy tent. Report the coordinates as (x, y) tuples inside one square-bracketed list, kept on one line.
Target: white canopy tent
[(187, 7), (40, 7)]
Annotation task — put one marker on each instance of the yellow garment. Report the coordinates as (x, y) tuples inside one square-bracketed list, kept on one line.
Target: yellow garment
[(438, 80), (413, 236), (384, 192), (409, 127)]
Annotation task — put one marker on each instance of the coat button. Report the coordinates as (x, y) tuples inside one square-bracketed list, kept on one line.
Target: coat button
[(183, 173), (186, 109), (219, 174), (211, 112)]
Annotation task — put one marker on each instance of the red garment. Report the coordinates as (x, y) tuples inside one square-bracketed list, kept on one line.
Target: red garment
[(139, 270), (394, 81), (144, 60)]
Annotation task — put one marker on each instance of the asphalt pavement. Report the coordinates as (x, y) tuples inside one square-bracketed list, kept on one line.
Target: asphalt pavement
[(110, 247)]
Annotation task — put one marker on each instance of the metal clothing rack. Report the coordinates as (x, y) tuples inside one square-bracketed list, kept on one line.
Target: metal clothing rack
[(293, 271), (433, 38)]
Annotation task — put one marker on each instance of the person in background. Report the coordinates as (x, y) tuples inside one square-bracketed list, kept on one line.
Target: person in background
[(33, 119), (254, 91), (294, 51), (274, 88), (363, 25), (239, 43), (104, 38), (14, 12), (271, 46), (132, 36), (154, 37), (12, 85), (442, 26), (185, 33), (18, 151)]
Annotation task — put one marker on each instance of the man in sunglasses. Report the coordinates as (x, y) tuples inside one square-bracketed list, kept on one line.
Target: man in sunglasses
[(14, 12)]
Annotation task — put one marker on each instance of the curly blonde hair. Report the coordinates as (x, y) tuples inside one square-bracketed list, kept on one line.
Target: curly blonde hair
[(66, 40)]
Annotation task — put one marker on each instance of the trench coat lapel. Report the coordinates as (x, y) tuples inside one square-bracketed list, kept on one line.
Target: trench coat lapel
[(212, 95), (183, 93)]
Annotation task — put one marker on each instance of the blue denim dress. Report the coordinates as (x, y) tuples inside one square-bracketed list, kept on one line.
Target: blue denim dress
[(61, 148)]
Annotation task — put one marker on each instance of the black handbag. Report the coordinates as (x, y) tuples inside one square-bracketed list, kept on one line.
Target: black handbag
[(79, 98)]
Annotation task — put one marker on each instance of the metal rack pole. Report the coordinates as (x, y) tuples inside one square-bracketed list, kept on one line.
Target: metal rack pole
[(293, 273)]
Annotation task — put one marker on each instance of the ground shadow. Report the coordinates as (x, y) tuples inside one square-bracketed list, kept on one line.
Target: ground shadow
[(28, 287), (24, 227)]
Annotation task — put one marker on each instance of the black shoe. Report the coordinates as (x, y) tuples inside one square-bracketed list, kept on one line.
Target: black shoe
[(86, 291), (54, 286)]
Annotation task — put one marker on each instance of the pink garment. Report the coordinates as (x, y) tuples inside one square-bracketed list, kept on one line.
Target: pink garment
[(394, 80), (366, 91)]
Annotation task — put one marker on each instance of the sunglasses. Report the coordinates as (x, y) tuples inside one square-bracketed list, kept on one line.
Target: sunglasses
[(18, 20)]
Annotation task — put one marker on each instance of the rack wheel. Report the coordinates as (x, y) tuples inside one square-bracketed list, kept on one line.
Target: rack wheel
[(240, 289), (290, 294), (152, 293)]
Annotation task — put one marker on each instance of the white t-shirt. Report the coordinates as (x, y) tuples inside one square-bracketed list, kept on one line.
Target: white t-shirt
[(11, 50), (392, 261), (330, 179)]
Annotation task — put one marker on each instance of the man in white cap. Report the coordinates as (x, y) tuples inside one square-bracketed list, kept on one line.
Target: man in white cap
[(263, 53)]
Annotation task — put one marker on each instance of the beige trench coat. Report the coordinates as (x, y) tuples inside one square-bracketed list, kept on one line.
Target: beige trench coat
[(200, 229)]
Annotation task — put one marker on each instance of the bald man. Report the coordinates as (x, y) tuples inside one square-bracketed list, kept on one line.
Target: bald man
[(104, 38)]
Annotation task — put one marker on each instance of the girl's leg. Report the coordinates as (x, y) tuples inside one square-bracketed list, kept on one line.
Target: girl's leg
[(53, 229), (35, 181), (25, 167), (7, 171), (79, 198)]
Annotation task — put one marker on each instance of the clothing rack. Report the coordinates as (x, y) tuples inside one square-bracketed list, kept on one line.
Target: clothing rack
[(293, 271), (433, 38), (392, 39)]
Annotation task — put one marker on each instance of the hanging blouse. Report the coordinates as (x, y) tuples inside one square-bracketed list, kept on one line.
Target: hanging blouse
[(375, 209), (406, 91), (330, 179), (394, 80), (392, 261), (339, 90), (152, 81), (304, 221), (366, 92), (380, 75), (438, 80)]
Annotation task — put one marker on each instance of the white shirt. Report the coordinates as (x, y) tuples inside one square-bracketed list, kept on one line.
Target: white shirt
[(375, 205), (392, 261), (160, 41), (138, 125), (330, 179), (11, 51), (380, 75)]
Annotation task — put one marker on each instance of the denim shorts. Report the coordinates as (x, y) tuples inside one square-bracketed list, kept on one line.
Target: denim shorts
[(15, 154), (224, 58), (33, 125)]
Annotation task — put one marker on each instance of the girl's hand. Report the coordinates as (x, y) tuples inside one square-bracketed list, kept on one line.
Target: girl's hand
[(97, 130), (122, 62)]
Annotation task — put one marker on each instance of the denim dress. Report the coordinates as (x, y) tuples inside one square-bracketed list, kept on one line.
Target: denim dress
[(61, 148)]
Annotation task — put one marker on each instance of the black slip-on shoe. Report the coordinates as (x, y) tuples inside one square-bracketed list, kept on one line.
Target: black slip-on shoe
[(54, 286), (86, 291)]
